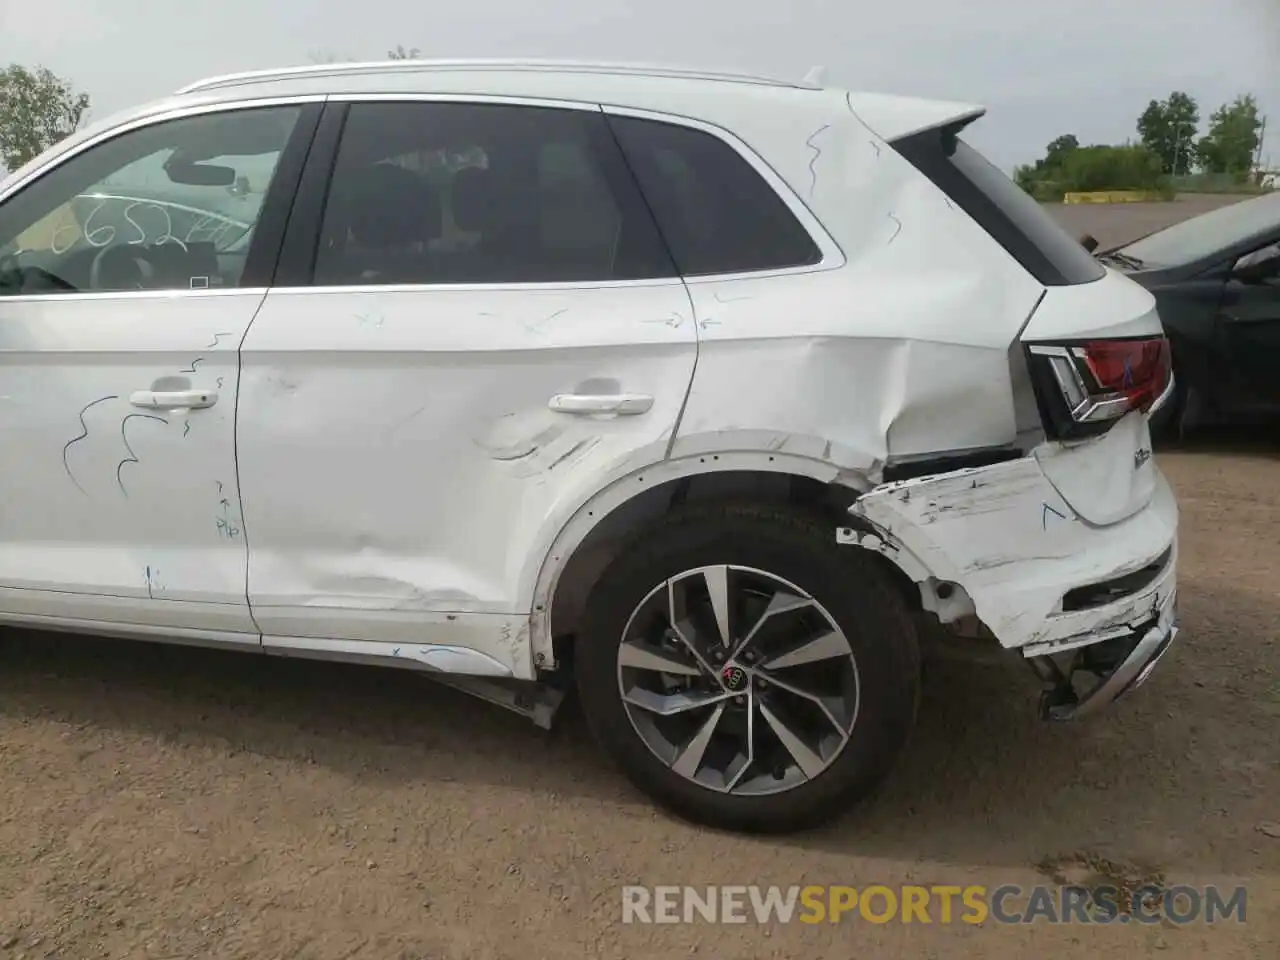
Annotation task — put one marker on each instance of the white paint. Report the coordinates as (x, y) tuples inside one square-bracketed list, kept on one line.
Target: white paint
[(104, 525), (1114, 306), (418, 464), (1006, 537), (893, 116), (438, 658), (398, 453)]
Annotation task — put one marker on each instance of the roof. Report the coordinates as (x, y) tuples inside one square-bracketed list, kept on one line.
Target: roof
[(695, 91), (400, 67)]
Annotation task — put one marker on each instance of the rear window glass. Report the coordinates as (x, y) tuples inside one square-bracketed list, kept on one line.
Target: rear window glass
[(715, 212), (1013, 218)]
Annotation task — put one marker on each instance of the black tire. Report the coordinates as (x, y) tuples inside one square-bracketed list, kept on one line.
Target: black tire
[(800, 548)]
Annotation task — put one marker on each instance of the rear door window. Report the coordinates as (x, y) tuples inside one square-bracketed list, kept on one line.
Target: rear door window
[(1007, 212), (449, 193), (716, 213)]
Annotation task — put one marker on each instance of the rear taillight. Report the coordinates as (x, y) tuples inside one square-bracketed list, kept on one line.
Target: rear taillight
[(1084, 387)]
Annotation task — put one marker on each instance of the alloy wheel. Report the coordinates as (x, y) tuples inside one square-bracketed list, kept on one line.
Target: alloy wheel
[(738, 680)]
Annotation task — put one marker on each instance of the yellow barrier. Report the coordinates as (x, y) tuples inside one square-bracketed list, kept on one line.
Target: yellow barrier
[(1113, 196)]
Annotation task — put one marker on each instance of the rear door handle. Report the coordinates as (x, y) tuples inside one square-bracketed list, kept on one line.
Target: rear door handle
[(619, 404), (173, 399)]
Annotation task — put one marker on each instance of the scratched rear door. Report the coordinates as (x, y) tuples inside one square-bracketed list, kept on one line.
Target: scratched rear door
[(119, 502), (490, 333)]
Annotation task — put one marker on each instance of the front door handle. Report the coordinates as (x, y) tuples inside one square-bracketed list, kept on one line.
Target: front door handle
[(618, 404), (173, 399)]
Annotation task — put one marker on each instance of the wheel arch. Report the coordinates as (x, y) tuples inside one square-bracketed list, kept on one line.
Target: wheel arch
[(587, 541)]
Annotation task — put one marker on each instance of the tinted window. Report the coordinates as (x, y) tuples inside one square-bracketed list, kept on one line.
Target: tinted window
[(428, 193), (1002, 208), (716, 213), (169, 206)]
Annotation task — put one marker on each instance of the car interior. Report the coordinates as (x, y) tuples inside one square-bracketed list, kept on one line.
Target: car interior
[(164, 233), (522, 208)]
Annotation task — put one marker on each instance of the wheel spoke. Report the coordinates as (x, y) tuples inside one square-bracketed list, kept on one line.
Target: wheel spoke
[(690, 757), (694, 636), (825, 647), (646, 657), (751, 743), (683, 628), (806, 759), (780, 603), (841, 726), (717, 580), (670, 704)]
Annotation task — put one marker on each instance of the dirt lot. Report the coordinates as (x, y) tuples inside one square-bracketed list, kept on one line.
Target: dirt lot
[(165, 802), (1122, 222), (173, 803)]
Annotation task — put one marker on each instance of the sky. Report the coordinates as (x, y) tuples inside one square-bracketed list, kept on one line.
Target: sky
[(1043, 70)]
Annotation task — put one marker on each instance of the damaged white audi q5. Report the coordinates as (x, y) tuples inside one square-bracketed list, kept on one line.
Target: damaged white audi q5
[(699, 391)]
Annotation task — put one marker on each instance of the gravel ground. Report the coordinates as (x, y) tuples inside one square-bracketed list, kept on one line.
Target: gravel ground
[(177, 803)]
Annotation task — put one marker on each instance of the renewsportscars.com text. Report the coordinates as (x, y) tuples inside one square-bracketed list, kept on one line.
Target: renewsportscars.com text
[(973, 904)]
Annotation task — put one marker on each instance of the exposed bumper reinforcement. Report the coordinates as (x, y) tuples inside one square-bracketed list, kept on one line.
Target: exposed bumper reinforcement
[(1060, 700)]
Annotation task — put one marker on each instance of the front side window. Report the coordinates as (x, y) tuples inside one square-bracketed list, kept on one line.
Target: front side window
[(716, 213), (171, 206), (448, 193)]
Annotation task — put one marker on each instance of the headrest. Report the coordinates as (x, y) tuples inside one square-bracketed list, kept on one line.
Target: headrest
[(386, 206)]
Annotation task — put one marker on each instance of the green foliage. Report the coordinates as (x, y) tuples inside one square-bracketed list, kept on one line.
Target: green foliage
[(37, 109), (1068, 167), (1235, 130), (1168, 129)]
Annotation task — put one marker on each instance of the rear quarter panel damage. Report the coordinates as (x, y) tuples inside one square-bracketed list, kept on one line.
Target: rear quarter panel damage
[(1015, 546), (870, 356)]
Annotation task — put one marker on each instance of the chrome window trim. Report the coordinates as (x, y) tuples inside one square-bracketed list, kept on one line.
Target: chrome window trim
[(832, 256), (464, 98), (131, 295), (532, 287)]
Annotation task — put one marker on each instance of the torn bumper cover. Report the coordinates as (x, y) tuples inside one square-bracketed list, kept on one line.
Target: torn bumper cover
[(1001, 544)]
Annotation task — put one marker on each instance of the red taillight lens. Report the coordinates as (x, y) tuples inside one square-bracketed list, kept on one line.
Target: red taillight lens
[(1085, 387), (1138, 370)]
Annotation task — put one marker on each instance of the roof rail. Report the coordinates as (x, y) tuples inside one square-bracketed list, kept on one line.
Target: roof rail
[(418, 66)]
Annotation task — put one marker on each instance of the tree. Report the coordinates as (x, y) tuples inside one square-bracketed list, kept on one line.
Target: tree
[(1234, 132), (37, 109), (1068, 167), (1057, 151), (1168, 129), (400, 53)]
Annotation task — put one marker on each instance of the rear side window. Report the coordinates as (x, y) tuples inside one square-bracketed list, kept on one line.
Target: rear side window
[(716, 213), (1002, 208), (448, 193)]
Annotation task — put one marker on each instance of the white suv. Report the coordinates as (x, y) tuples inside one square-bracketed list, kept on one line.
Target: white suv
[(699, 389)]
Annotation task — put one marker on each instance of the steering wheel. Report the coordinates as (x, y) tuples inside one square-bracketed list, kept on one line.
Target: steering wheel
[(123, 266)]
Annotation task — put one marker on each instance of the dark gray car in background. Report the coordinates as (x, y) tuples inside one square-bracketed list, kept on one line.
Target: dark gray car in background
[(1216, 278)]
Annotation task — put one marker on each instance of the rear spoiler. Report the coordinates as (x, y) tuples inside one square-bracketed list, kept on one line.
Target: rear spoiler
[(894, 118)]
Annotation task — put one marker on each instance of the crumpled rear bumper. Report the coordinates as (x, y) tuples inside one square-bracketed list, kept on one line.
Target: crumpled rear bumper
[(999, 543), (1135, 658)]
